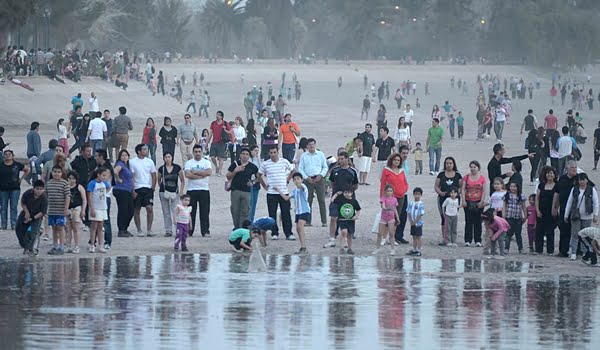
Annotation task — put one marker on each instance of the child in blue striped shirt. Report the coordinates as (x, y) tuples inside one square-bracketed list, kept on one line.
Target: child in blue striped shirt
[(301, 207)]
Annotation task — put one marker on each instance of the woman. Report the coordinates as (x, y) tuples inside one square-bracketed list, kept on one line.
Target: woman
[(169, 175), (239, 134), (590, 99), (581, 209), (445, 181), (59, 159), (473, 196), (546, 222), (302, 144), (251, 133), (435, 112), (81, 133), (398, 97), (269, 138), (402, 134), (553, 137), (393, 174), (122, 192), (10, 187), (488, 121), (381, 117), (535, 145), (168, 136), (149, 138)]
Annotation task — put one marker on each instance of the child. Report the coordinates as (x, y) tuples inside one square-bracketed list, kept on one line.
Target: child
[(516, 214), (349, 210), (34, 203), (62, 135), (262, 225), (97, 189), (460, 122), (497, 197), (516, 176), (241, 239), (451, 123), (77, 206), (450, 208), (204, 140), (531, 221), (389, 217), (418, 152), (183, 221), (415, 211), (59, 197), (301, 206), (590, 237), (495, 231)]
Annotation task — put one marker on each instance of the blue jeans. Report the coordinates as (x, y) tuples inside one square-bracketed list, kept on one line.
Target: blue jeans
[(97, 144), (288, 150), (5, 197), (434, 155), (203, 108), (499, 129), (107, 226), (253, 201)]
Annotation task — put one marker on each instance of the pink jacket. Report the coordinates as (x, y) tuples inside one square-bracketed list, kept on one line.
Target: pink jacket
[(498, 227)]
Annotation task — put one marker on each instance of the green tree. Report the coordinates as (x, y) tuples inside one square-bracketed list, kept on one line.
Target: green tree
[(297, 35), (171, 24), (222, 23), (255, 38)]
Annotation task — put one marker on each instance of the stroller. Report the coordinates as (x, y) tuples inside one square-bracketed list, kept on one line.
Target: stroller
[(28, 234)]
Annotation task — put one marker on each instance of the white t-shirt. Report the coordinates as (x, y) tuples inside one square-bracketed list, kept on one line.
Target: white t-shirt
[(402, 134), (239, 133), (62, 132), (276, 174), (197, 184), (565, 146), (99, 191), (94, 106), (450, 206), (497, 200), (408, 115), (142, 170), (500, 114), (98, 128)]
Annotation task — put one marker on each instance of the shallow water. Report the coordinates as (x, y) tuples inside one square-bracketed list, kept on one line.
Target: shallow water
[(310, 302)]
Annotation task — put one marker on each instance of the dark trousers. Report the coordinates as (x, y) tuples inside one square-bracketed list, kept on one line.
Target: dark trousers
[(288, 150), (535, 161), (516, 226), (107, 225), (124, 209), (473, 224), (589, 253), (461, 131), (168, 146), (200, 200), (545, 228), (403, 217), (274, 200), (564, 239)]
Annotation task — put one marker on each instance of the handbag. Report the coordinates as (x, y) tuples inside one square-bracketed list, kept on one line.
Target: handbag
[(167, 194), (227, 184)]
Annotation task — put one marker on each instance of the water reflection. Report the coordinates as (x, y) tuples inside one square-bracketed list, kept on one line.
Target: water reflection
[(302, 302)]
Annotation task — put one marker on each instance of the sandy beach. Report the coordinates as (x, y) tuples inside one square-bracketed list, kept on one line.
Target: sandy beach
[(329, 114)]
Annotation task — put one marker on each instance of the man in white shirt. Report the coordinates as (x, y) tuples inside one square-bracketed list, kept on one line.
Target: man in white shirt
[(564, 145), (197, 171), (499, 123), (313, 167), (144, 177), (408, 116), (97, 131), (94, 105), (277, 172)]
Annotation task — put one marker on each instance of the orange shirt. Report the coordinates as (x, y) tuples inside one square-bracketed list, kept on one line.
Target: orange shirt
[(288, 136)]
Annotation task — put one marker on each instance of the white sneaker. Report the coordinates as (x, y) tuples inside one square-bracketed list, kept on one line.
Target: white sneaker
[(383, 242), (141, 234), (45, 237), (101, 250), (330, 243), (274, 238), (467, 244), (449, 244), (92, 249), (478, 244), (75, 250), (431, 173), (573, 257), (107, 246), (290, 238), (150, 234), (392, 252)]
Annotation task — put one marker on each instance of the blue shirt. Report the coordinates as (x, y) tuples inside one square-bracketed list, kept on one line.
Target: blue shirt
[(265, 223), (415, 209), (76, 101), (125, 175), (300, 196), (312, 164), (406, 169)]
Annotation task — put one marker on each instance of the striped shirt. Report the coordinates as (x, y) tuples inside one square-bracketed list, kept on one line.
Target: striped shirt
[(57, 191), (300, 196), (415, 209), (276, 173)]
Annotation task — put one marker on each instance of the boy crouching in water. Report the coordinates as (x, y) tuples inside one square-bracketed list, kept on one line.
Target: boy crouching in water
[(241, 239)]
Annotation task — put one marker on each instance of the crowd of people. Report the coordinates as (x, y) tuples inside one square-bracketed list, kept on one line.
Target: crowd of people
[(268, 150)]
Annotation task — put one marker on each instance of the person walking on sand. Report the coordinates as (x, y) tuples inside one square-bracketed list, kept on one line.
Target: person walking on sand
[(366, 106), (218, 129), (187, 138), (121, 127), (198, 171), (144, 177), (288, 134)]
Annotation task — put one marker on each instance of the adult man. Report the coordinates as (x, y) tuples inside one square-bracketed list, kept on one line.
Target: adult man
[(565, 146), (280, 106), (499, 122), (40, 60), (383, 149), (197, 171), (97, 131), (494, 167), (102, 161), (48, 155), (83, 164), (109, 128), (34, 146), (144, 177), (276, 170), (121, 127), (240, 175), (94, 105), (313, 167), (187, 138), (248, 105), (596, 146), (217, 148), (77, 101), (562, 190), (435, 136), (342, 177), (408, 116), (288, 133), (550, 122), (529, 122), (204, 102), (366, 105), (368, 142)]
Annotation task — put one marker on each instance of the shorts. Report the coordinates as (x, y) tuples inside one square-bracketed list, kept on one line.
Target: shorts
[(75, 214), (416, 231), (238, 243), (387, 222), (363, 164), (56, 220), (334, 211), (346, 225), (145, 197), (218, 150), (99, 215), (303, 216)]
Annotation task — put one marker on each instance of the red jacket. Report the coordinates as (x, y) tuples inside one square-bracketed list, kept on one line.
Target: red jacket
[(398, 182)]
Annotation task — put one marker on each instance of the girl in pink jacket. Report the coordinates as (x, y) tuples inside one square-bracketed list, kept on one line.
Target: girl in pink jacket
[(495, 231)]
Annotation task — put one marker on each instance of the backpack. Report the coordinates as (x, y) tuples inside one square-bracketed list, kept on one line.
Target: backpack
[(152, 69), (225, 137)]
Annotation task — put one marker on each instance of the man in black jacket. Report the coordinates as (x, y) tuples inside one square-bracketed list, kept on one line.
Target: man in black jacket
[(494, 167)]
